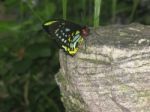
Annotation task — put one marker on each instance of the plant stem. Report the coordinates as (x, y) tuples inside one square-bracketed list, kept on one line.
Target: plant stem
[(64, 3), (97, 12)]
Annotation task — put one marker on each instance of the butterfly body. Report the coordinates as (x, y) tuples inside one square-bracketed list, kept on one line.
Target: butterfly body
[(67, 34)]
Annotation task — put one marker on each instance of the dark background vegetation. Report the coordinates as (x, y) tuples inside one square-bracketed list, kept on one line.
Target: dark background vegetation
[(29, 58)]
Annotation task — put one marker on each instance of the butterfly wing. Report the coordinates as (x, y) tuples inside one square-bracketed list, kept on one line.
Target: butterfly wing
[(66, 34)]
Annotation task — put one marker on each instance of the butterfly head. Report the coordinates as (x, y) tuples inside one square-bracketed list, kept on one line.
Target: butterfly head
[(85, 31)]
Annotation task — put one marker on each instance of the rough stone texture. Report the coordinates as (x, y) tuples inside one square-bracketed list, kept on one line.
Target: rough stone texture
[(110, 74)]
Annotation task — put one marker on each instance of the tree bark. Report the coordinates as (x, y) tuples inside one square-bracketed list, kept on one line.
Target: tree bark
[(110, 74)]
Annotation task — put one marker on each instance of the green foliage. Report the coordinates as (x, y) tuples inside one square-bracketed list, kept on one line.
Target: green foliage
[(29, 58), (134, 7), (64, 3), (97, 12), (114, 4)]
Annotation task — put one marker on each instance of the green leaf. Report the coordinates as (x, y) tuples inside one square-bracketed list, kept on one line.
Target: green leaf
[(22, 66), (11, 26), (6, 26), (38, 50), (46, 11)]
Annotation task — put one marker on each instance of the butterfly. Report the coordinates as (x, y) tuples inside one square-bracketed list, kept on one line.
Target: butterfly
[(67, 34)]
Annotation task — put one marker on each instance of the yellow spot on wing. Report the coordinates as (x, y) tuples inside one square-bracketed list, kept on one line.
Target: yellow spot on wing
[(72, 34), (49, 23), (69, 39), (77, 32), (64, 47), (71, 52)]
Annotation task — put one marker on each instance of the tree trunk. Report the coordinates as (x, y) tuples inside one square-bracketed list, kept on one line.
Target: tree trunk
[(110, 74)]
